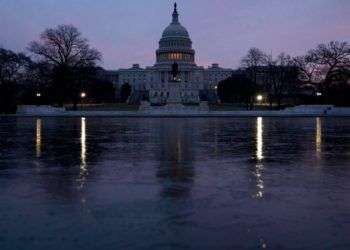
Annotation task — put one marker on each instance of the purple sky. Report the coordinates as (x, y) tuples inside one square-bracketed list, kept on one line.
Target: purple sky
[(128, 31)]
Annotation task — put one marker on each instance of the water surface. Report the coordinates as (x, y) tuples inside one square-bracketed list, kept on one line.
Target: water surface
[(113, 183)]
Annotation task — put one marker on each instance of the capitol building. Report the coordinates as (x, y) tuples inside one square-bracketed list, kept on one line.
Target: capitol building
[(195, 83)]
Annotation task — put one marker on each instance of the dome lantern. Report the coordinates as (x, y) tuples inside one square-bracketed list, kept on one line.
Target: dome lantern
[(175, 15)]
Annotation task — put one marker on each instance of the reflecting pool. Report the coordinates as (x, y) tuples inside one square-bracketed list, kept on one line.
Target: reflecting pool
[(176, 183)]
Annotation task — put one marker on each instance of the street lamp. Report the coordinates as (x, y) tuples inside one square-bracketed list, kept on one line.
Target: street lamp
[(82, 97), (38, 98), (259, 98), (318, 94)]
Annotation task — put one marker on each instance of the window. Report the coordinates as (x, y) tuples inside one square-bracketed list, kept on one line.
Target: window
[(176, 56)]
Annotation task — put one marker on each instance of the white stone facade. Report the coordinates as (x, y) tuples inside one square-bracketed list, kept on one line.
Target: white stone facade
[(174, 46)]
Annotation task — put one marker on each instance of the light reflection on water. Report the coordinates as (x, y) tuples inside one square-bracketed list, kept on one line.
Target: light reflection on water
[(259, 138), (318, 137), (83, 143), (259, 156), (152, 183), (83, 153), (38, 137)]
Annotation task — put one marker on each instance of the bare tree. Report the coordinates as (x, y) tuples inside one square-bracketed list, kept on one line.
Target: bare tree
[(13, 67), (64, 46), (332, 57), (39, 80), (66, 51), (308, 69), (282, 77), (254, 59)]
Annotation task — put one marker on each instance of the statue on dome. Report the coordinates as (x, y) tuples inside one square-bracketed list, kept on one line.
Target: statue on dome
[(175, 14)]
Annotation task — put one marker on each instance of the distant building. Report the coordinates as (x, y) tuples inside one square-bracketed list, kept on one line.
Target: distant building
[(152, 82)]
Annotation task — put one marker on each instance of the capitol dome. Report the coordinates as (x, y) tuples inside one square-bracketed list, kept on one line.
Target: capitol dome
[(175, 44), (175, 30)]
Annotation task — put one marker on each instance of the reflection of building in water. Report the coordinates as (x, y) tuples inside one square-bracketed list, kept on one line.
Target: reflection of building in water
[(176, 170), (38, 137), (318, 137), (259, 167)]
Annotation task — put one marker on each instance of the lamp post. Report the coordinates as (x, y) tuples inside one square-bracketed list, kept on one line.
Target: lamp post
[(259, 98), (318, 97), (82, 97), (38, 97)]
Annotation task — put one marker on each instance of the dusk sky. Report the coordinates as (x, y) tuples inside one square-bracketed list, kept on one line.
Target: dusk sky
[(128, 31)]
